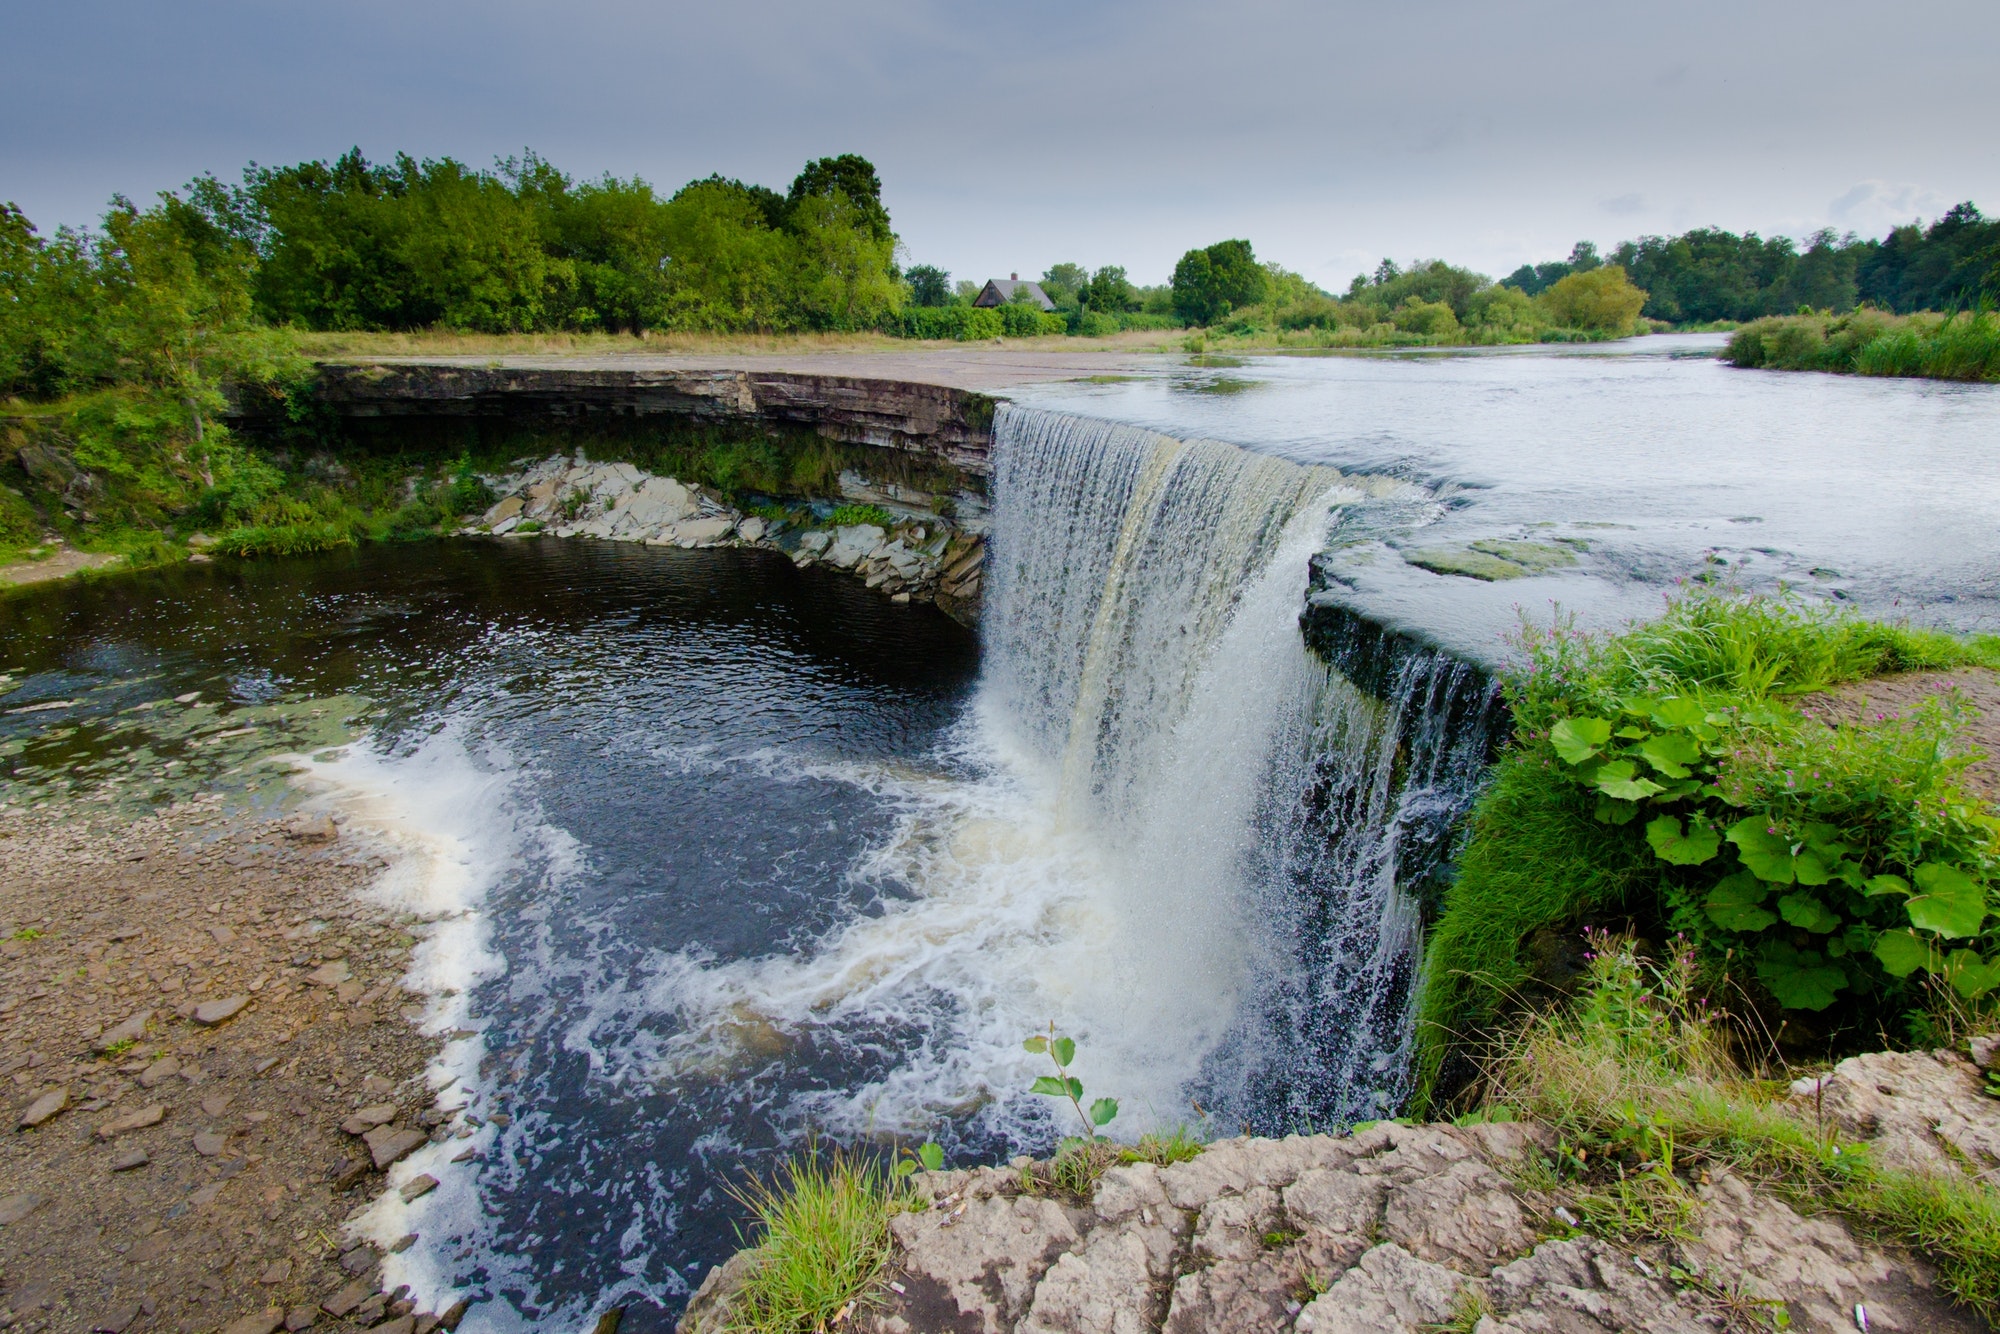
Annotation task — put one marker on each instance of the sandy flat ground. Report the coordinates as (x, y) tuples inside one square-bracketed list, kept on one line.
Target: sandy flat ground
[(981, 368)]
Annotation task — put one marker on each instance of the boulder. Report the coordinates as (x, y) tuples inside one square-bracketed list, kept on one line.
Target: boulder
[(510, 508), (703, 532), (853, 544)]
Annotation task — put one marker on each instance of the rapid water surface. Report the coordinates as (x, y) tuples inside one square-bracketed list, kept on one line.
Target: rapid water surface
[(733, 855)]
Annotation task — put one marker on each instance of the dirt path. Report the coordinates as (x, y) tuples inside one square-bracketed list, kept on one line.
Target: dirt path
[(64, 561), (189, 1010), (1892, 696)]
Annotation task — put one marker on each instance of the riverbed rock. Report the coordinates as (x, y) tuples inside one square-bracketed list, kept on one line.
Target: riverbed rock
[(703, 532), (130, 1030), (210, 1013), (131, 1121), (854, 543), (45, 1108), (387, 1144), (509, 508)]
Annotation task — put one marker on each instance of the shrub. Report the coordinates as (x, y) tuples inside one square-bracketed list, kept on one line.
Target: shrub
[(1873, 342), (1427, 319), (301, 539), (1662, 773), (1601, 300), (963, 324), (847, 515)]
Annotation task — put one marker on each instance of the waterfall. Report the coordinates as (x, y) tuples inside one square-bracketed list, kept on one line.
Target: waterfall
[(1276, 813)]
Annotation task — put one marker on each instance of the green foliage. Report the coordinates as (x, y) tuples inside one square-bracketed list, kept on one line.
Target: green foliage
[(1061, 1051), (930, 287), (300, 539), (964, 324), (1871, 342), (1601, 300), (1636, 1080), (1110, 292), (846, 515), (1210, 283), (1661, 772), (824, 1238)]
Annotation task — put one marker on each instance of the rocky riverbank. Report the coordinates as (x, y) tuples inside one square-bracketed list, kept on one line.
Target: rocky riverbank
[(906, 544), (1417, 1228), (210, 1068)]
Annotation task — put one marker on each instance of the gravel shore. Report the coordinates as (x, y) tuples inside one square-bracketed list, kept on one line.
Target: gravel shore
[(200, 1020)]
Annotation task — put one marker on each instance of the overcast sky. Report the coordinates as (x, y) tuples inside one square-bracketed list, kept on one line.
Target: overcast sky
[(1012, 136)]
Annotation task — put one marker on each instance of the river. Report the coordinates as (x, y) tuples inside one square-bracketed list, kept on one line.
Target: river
[(731, 855)]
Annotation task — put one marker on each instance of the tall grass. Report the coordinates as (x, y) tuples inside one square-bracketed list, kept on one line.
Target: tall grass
[(1638, 1079), (824, 1237), (1963, 346)]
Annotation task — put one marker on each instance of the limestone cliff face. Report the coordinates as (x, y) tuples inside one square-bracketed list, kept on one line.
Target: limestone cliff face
[(953, 426)]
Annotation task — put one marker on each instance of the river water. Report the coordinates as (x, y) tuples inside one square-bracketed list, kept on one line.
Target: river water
[(730, 855)]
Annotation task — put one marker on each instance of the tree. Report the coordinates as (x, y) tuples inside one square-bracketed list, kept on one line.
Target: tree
[(845, 275), (1210, 283), (1602, 299), (1110, 290), (1064, 284), (929, 285), (851, 175)]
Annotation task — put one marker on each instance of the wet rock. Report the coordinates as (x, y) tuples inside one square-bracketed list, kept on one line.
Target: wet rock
[(402, 1324), (419, 1186), (312, 828), (330, 974), (348, 1297), (45, 1108), (365, 1119), (159, 1072), (130, 1030), (853, 543), (117, 1320), (266, 1321), (14, 1208), (751, 529), (210, 1013), (387, 1144), (139, 1120), (702, 532)]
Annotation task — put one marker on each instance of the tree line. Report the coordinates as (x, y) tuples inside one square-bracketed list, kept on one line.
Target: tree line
[(1709, 275)]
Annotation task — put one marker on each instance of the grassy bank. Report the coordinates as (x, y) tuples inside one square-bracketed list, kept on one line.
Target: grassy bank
[(1665, 778), (1638, 1078), (1873, 342)]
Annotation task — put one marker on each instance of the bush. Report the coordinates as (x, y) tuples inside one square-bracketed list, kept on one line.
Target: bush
[(1872, 342), (302, 539), (964, 324), (1663, 774), (848, 515), (1602, 300), (1426, 319)]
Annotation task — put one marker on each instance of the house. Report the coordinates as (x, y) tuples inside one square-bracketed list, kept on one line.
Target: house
[(998, 292)]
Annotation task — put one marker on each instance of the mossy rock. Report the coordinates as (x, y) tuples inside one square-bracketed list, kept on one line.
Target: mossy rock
[(1534, 557), (1464, 561)]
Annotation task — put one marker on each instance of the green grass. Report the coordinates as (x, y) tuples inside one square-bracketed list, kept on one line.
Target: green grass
[(1540, 860), (296, 539), (845, 515), (1964, 346), (1636, 1078), (823, 1237)]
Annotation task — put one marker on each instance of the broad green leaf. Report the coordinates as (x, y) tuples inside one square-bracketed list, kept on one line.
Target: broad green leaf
[(1903, 952), (1577, 739), (1971, 976), (932, 1155), (1888, 884), (905, 1168), (1615, 812), (1698, 844), (1036, 1045), (1671, 755), (1103, 1111), (1075, 1086), (1806, 912), (1050, 1087), (1811, 868), (1768, 855), (1678, 713), (1617, 780), (1064, 1050), (1800, 979), (1825, 840), (1732, 904), (1948, 901)]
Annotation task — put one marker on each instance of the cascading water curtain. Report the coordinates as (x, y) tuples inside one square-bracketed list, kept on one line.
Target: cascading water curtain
[(1143, 642)]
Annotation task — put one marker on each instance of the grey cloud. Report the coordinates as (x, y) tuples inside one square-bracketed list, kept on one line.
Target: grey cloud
[(1010, 137)]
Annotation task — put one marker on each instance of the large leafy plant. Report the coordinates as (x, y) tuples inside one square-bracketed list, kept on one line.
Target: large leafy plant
[(1835, 859)]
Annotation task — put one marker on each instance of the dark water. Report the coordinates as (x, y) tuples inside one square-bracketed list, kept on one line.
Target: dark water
[(637, 755)]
